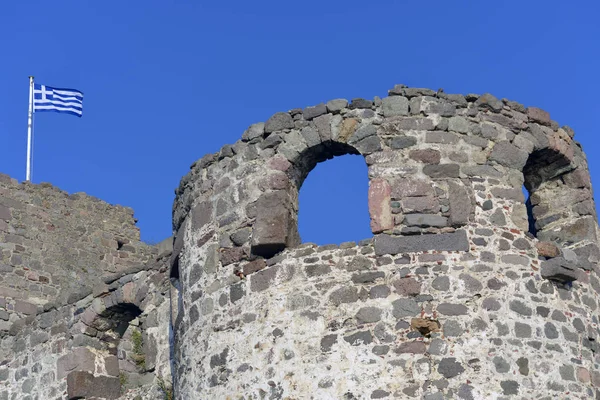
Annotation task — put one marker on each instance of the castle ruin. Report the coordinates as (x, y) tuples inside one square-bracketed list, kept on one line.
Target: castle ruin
[(465, 291)]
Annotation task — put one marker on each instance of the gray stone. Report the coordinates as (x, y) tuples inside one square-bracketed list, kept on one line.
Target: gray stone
[(271, 231), (327, 342), (482, 171), (402, 142), (360, 103), (522, 330), (490, 102), (442, 171), (520, 308), (367, 315), (359, 338), (558, 269), (405, 308), (441, 283), (425, 220), (509, 155), (523, 364), (460, 204), (313, 112), (346, 294), (510, 387), (253, 132), (336, 105), (279, 121), (452, 309), (81, 384), (394, 106), (458, 124), (450, 368), (441, 137), (452, 328), (367, 277), (379, 292), (455, 241), (550, 330), (471, 284), (501, 365)]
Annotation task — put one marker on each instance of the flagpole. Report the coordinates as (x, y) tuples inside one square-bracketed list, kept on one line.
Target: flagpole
[(29, 130)]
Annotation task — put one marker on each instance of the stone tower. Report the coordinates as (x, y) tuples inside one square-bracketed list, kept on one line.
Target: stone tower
[(465, 291)]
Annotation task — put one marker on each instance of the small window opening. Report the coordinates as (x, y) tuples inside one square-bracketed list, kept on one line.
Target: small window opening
[(120, 244), (333, 202), (530, 219)]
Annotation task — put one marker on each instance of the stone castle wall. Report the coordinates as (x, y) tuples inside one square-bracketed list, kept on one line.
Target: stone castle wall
[(78, 290), (465, 291)]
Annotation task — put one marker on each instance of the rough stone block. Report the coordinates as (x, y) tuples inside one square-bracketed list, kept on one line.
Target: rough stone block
[(455, 241), (81, 384), (336, 105), (279, 121), (581, 229), (442, 171), (4, 213), (271, 231), (426, 156), (379, 205), (509, 155), (80, 359), (538, 115), (406, 187), (460, 204), (425, 220), (313, 112), (394, 106), (559, 269)]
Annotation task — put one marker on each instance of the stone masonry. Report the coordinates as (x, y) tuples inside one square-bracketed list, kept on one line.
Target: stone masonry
[(465, 291), (83, 303)]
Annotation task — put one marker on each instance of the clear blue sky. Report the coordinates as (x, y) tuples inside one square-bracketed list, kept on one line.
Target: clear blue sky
[(167, 82)]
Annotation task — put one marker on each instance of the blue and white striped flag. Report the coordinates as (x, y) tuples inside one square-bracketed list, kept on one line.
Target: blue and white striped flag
[(46, 98)]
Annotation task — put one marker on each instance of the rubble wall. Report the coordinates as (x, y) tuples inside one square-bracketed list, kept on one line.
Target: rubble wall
[(78, 291), (466, 290)]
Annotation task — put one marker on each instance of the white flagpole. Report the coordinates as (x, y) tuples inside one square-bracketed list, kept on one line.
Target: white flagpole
[(29, 129)]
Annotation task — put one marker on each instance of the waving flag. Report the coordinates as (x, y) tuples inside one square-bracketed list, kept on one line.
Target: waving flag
[(46, 98)]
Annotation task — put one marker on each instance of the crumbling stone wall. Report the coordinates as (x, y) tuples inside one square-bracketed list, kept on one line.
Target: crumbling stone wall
[(465, 291), (75, 278)]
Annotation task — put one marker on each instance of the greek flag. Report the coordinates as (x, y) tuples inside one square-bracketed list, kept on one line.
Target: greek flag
[(46, 98)]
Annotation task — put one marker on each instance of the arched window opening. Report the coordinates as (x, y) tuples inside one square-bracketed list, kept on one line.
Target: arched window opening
[(543, 189), (333, 201)]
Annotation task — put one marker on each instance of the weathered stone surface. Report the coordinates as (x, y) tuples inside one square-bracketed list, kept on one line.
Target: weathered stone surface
[(456, 241), (425, 220), (460, 204), (379, 205), (81, 384), (279, 121), (313, 112), (335, 106), (426, 156), (559, 269), (488, 101), (394, 106), (271, 231), (507, 154), (538, 115), (442, 171), (407, 187), (547, 249), (452, 309), (405, 308), (450, 368)]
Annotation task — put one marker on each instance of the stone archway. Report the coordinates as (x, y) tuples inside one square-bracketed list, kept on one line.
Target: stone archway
[(110, 344)]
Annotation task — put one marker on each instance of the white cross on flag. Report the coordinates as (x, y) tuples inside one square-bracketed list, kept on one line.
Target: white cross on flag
[(46, 98)]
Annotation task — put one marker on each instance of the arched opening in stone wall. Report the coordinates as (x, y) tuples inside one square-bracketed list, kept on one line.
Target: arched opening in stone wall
[(552, 197), (333, 199)]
